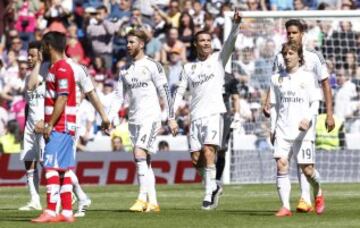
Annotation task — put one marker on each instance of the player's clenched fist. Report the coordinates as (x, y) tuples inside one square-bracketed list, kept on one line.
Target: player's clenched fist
[(174, 128), (304, 125)]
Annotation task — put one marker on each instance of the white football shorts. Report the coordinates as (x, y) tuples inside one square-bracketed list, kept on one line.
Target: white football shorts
[(304, 151), (144, 135), (206, 131), (34, 145)]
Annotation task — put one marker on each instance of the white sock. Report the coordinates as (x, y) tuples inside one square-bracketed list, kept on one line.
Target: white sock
[(304, 186), (67, 213), (210, 181), (79, 193), (142, 171), (284, 189), (315, 183), (32, 180), (151, 186)]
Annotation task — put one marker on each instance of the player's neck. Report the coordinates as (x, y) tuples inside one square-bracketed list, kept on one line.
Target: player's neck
[(139, 56), (56, 57), (293, 70), (203, 57)]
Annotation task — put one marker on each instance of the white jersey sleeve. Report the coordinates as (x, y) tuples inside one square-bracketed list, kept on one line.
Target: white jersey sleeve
[(117, 98), (179, 92), (161, 84), (229, 44)]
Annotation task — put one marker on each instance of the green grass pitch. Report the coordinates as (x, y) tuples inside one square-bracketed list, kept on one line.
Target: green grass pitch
[(240, 206)]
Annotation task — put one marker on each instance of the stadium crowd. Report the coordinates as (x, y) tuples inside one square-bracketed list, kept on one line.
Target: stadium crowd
[(96, 38)]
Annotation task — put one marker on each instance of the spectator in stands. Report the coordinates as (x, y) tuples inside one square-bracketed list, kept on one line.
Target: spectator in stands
[(280, 5), (74, 48), (174, 68), (246, 61), (26, 23), (346, 91), (186, 33), (172, 42), (163, 146), (11, 141), (153, 46), (263, 65), (57, 11), (120, 9), (161, 23), (199, 15), (121, 131), (255, 5), (101, 35), (351, 64), (117, 144)]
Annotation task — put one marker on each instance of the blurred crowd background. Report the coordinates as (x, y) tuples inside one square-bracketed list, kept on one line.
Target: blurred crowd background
[(96, 38)]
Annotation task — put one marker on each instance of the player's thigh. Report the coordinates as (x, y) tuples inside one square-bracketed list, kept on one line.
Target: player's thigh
[(195, 139), (145, 136), (305, 152), (282, 149), (226, 131), (212, 130), (33, 146)]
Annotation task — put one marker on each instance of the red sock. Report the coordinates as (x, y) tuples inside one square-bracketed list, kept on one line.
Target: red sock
[(65, 192), (53, 187)]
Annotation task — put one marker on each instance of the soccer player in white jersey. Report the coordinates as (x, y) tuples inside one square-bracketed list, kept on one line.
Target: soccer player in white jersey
[(314, 62), (142, 80), (205, 78), (33, 142), (294, 100), (84, 85)]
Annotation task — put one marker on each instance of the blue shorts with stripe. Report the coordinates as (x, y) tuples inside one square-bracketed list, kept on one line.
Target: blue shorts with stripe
[(59, 151)]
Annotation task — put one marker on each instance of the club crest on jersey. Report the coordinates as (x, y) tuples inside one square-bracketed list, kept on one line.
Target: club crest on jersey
[(193, 67), (280, 79), (63, 84)]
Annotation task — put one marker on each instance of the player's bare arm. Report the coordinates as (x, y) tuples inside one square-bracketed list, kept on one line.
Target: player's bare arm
[(95, 101), (330, 122)]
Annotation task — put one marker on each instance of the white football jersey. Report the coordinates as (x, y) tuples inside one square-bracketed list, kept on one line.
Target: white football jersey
[(142, 80), (314, 62), (35, 104), (82, 79), (292, 95), (206, 80)]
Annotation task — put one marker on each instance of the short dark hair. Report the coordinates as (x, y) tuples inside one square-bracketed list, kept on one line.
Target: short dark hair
[(34, 45), (102, 7), (200, 33), (56, 40), (139, 33), (295, 22)]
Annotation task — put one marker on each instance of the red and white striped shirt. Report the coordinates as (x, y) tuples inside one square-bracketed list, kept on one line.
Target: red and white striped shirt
[(61, 81)]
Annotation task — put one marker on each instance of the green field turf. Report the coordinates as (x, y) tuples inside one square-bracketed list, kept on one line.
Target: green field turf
[(240, 206)]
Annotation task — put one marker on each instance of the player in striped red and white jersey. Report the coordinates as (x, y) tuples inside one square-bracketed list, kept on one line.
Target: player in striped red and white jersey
[(59, 131)]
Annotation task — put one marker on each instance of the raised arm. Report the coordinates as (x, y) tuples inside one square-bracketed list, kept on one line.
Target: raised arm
[(230, 41)]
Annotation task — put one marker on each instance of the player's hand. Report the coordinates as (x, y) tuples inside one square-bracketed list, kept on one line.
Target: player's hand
[(106, 126), (329, 123), (235, 124), (304, 125), (174, 128), (47, 132), (237, 16), (39, 127), (272, 138), (266, 110)]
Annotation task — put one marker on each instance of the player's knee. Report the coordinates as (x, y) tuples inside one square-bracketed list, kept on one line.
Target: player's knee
[(308, 170), (282, 165), (195, 159), (140, 154)]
